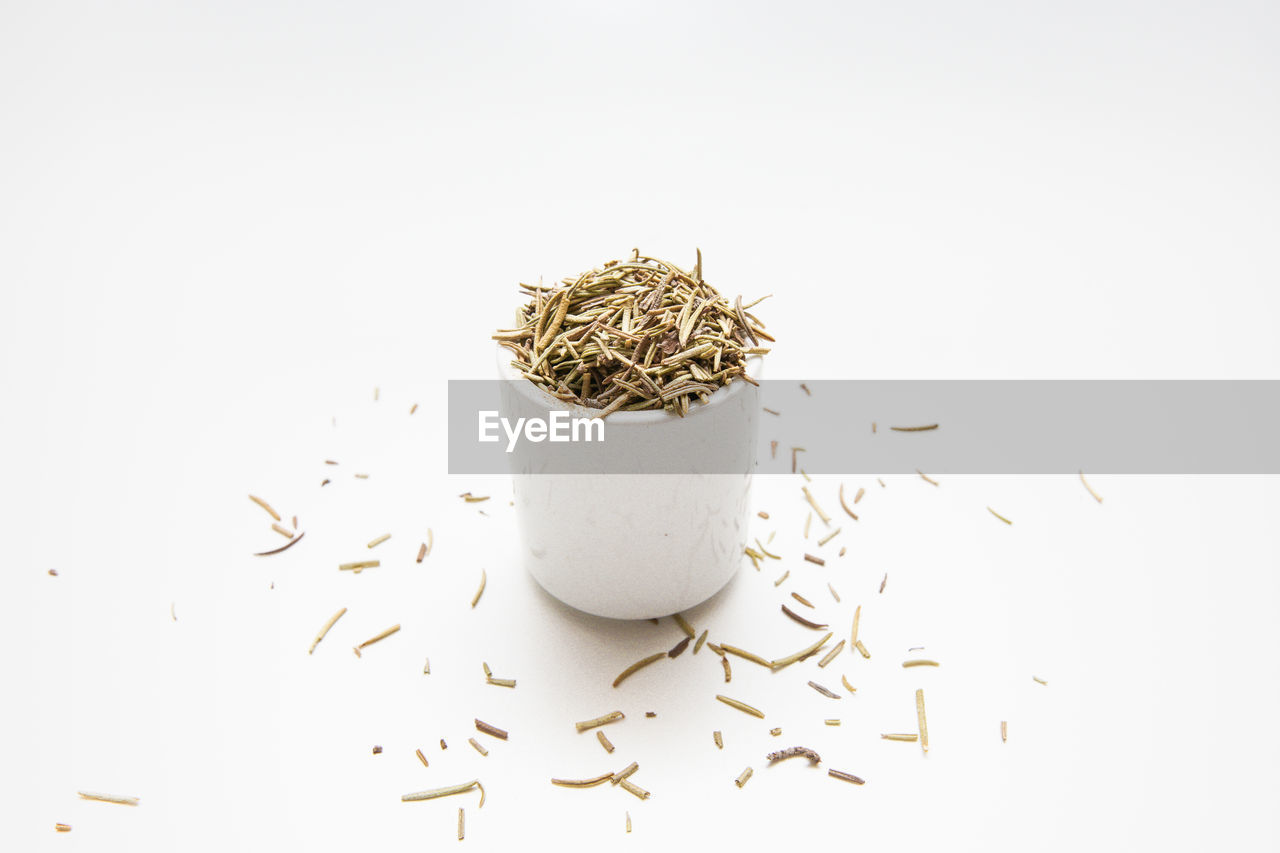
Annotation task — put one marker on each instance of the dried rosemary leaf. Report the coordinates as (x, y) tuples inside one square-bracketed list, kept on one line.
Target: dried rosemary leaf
[(377, 750), (857, 617), (907, 664), (999, 516), (905, 738), (817, 560), (920, 718), (475, 743), (413, 408), (728, 672), (1096, 496), (684, 626), (260, 502), (884, 580), (604, 741), (376, 638), (824, 691), (831, 722), (484, 578), (628, 821), (831, 655), (925, 477), (794, 451), (741, 706), (605, 719), (832, 535), (807, 522), (800, 655), (632, 788), (378, 541), (640, 664), (783, 578), (777, 732), (702, 638), (422, 552), (421, 757), (793, 752), (745, 655), (473, 499), (624, 773), (109, 798), (1004, 731), (826, 519), (743, 777), (462, 822), (847, 777), (678, 648), (925, 428), (803, 621), (800, 598), (763, 515), (360, 566), (62, 827), (862, 650), (1038, 680), (858, 496), (283, 532), (718, 738), (325, 630), (845, 506), (491, 730), (834, 594), (582, 783)]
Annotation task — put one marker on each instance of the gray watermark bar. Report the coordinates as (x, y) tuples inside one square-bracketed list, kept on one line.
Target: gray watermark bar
[(847, 427)]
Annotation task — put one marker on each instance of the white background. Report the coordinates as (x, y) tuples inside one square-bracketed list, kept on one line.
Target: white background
[(222, 225)]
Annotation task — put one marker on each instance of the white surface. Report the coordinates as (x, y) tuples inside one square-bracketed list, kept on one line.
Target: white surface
[(222, 226)]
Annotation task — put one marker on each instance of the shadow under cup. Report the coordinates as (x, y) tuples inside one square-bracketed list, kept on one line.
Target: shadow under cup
[(612, 540)]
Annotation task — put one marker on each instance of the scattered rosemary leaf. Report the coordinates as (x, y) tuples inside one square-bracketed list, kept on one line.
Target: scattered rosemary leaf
[(831, 655), (831, 722), (742, 653), (611, 717), (684, 625), (260, 502), (847, 777), (873, 427), (783, 578), (841, 554), (741, 706), (360, 566), (1004, 731), (491, 730), (834, 594), (1097, 497), (330, 462), (816, 560), (473, 499), (905, 738), (413, 408), (773, 450), (640, 664), (172, 613), (832, 535), (295, 522), (716, 649), (582, 783), (377, 750), (462, 822), (803, 621), (108, 798), (793, 752), (924, 726), (862, 650), (914, 428), (925, 477), (800, 598), (881, 482), (763, 515), (376, 542), (443, 745), (326, 481), (728, 672), (847, 686), (501, 682), (628, 821), (702, 638), (857, 617), (475, 743), (884, 580), (426, 666), (807, 392), (678, 648), (422, 552), (479, 592), (624, 773), (362, 476), (376, 638), (743, 777), (62, 827), (1038, 680), (826, 519), (794, 451), (718, 738), (824, 691), (999, 516), (845, 506), (604, 740), (767, 553), (907, 664), (421, 757), (282, 531), (800, 655), (858, 496), (375, 394), (53, 573), (632, 788), (325, 630)]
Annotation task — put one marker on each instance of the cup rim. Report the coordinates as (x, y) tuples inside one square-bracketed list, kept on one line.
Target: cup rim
[(540, 397)]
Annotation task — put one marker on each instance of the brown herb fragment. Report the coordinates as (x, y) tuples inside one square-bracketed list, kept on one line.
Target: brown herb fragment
[(884, 580), (803, 621), (359, 566), (847, 777), (771, 411), (793, 752), (62, 827), (718, 738), (824, 691), (776, 732), (826, 519), (603, 720), (490, 730), (847, 686), (421, 757), (282, 531), (684, 625), (800, 598), (794, 451), (260, 502), (1038, 680), (763, 515), (831, 655), (109, 798), (325, 630), (632, 788), (583, 783), (818, 560), (475, 743), (377, 750), (1004, 731), (834, 594), (422, 552), (925, 428), (925, 477), (741, 706), (624, 773), (862, 650), (640, 664), (728, 672), (743, 777), (800, 655), (845, 506), (604, 740)]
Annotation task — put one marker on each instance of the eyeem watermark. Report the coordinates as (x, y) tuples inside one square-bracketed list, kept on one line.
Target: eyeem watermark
[(558, 427)]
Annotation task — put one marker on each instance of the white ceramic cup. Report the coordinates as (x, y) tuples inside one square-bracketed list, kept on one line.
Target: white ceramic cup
[(635, 545)]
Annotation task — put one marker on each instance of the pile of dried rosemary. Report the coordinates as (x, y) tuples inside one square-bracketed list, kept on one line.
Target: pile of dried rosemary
[(631, 335)]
